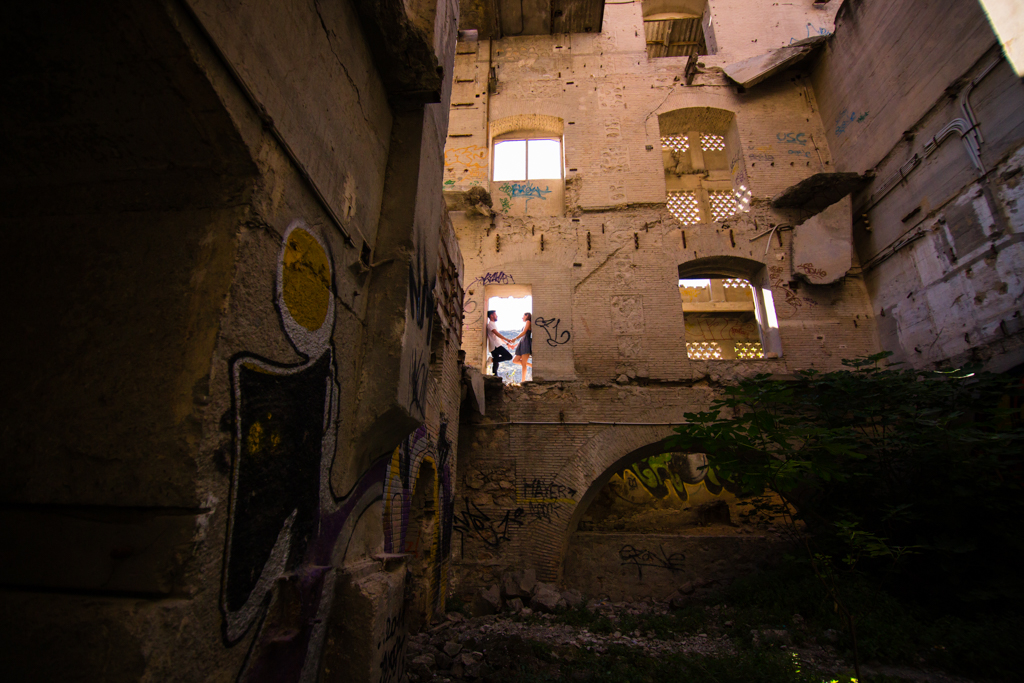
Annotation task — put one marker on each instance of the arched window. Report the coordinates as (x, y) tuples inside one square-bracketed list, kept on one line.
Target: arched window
[(704, 177), (728, 310), (527, 167)]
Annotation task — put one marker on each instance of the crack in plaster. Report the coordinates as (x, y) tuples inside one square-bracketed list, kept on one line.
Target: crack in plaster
[(330, 44), (599, 267)]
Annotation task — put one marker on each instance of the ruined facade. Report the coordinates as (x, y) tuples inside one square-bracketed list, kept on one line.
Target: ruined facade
[(232, 377), (252, 242), (738, 196)]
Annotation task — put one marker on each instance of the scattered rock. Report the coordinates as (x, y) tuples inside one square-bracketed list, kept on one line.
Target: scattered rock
[(487, 602), (452, 648), (527, 581), (425, 660), (515, 605), (546, 599), (622, 379), (455, 617), (573, 598), (510, 586)]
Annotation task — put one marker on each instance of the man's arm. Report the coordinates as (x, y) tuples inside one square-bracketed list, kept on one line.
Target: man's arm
[(500, 335)]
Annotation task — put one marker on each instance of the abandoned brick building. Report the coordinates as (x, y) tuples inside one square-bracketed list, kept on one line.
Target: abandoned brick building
[(246, 431)]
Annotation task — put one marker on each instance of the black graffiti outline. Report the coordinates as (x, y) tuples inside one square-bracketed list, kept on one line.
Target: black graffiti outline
[(646, 558), (421, 292), (392, 663), (492, 532), (539, 489), (418, 381), (558, 338)]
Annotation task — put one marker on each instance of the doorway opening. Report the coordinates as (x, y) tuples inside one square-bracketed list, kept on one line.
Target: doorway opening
[(510, 303)]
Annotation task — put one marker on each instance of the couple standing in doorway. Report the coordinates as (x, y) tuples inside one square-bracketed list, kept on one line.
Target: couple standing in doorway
[(500, 354)]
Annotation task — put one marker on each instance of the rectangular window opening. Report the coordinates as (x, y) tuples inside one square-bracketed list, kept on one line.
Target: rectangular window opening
[(509, 303), (535, 159), (720, 318)]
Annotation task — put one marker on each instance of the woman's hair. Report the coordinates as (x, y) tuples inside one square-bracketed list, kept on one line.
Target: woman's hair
[(528, 316)]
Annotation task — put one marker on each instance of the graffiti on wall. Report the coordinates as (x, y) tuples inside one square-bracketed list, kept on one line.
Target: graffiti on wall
[(420, 313), (471, 311), (797, 143), (672, 475), (284, 518), (540, 498), (286, 523), (640, 558), (392, 648), (498, 278), (848, 118), (550, 327), (791, 301), (472, 158), (478, 525), (403, 473), (812, 31), (526, 189)]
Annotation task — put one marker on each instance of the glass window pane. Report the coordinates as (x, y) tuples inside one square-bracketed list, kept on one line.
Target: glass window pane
[(510, 160), (545, 160)]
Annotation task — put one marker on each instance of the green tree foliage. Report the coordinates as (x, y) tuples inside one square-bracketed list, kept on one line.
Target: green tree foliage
[(913, 477)]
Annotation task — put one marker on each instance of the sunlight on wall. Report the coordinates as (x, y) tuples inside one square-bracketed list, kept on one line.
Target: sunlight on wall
[(1007, 19)]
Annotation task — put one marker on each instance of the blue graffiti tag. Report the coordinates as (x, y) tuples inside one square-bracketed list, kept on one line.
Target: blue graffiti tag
[(524, 189), (848, 117), (812, 30), (792, 138)]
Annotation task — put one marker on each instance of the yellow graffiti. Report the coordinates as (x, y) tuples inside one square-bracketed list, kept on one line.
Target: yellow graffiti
[(255, 441), (306, 280), (254, 437), (471, 156)]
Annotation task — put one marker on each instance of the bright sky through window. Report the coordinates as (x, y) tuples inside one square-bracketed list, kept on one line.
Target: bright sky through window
[(510, 310), (527, 160)]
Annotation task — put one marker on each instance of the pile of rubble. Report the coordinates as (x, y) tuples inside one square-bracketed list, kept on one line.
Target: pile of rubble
[(522, 593), (480, 647)]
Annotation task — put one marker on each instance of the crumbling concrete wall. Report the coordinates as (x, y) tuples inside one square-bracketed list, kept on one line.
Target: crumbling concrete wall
[(192, 488), (609, 330), (930, 106)]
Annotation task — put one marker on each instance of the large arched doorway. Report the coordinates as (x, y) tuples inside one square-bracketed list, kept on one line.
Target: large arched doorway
[(659, 520)]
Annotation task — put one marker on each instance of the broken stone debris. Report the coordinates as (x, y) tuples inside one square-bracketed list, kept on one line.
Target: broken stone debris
[(482, 647)]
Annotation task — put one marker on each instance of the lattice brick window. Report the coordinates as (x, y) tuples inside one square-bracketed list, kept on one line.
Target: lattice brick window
[(712, 143), (749, 350), (676, 143), (684, 206), (735, 282), (723, 205), (704, 350)]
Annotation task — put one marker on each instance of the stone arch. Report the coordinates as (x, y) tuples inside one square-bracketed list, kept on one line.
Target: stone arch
[(706, 119), (581, 478), (552, 125)]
